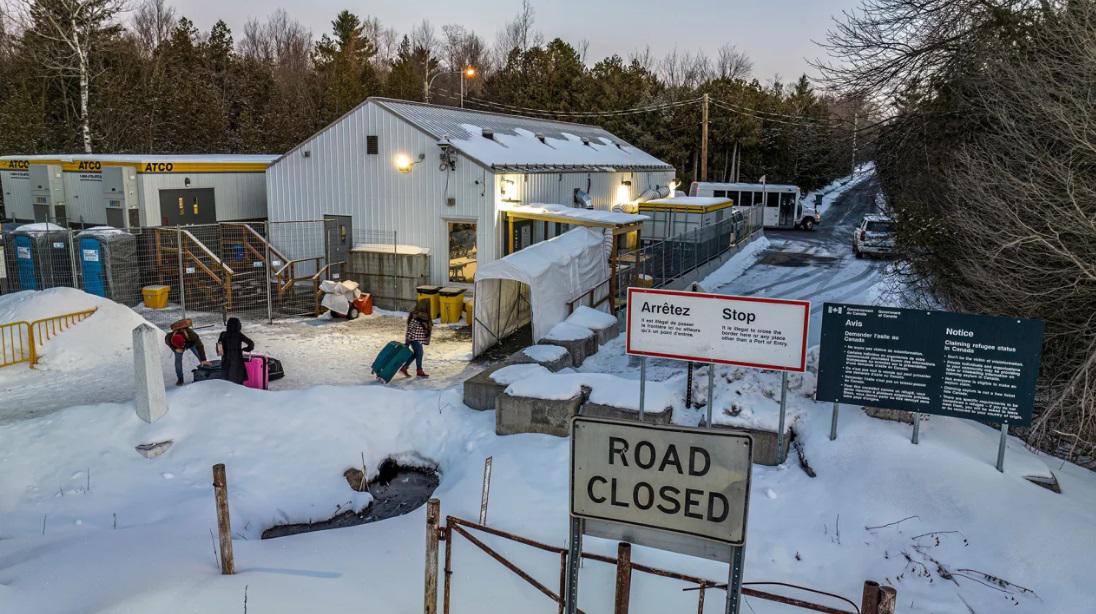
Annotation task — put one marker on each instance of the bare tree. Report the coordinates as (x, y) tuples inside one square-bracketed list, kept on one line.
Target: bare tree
[(280, 42), (153, 22), (686, 69), (385, 42), (518, 33), (731, 63), (70, 31)]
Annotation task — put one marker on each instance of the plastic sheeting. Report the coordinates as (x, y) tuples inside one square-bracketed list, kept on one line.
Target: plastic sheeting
[(536, 284)]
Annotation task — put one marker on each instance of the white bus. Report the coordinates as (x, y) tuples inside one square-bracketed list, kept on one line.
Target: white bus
[(782, 203)]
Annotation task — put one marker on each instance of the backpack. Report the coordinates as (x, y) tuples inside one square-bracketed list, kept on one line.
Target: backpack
[(178, 340)]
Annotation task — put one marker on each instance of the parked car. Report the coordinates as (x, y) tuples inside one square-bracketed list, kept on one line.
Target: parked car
[(874, 236)]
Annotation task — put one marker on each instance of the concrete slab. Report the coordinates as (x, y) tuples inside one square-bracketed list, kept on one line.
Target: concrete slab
[(562, 361), (764, 445), (480, 390), (577, 348), (515, 415), (662, 416)]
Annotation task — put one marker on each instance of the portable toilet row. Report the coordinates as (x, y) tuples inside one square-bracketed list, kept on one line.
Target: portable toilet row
[(39, 258)]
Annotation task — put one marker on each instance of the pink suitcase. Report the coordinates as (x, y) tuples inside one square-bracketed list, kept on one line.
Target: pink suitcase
[(258, 375)]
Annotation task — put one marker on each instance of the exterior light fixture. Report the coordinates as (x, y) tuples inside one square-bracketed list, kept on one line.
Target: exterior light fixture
[(404, 163), (470, 72)]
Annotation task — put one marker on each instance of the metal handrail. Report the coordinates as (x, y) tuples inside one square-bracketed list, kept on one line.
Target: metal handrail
[(251, 231)]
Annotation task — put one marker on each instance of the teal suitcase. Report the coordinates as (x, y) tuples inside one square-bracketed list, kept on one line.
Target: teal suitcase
[(392, 357)]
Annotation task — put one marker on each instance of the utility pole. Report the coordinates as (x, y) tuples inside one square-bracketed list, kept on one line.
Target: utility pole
[(855, 129), (704, 140)]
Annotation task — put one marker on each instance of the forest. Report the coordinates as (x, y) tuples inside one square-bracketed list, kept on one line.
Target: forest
[(106, 76)]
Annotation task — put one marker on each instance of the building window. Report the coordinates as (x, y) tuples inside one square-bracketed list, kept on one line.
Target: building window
[(772, 199), (462, 252), (371, 144)]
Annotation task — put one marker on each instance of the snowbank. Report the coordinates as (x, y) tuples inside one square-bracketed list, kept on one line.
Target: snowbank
[(591, 318), (104, 336), (735, 266), (834, 190), (605, 389)]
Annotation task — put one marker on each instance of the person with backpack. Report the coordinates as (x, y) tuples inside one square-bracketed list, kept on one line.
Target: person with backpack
[(181, 338), (419, 326), (231, 346)]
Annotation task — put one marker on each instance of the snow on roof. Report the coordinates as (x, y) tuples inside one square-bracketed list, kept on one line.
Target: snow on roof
[(581, 217), (774, 187), (699, 202), (512, 142), (39, 227)]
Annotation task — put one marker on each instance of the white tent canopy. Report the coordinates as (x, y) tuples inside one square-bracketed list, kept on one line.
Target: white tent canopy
[(536, 284)]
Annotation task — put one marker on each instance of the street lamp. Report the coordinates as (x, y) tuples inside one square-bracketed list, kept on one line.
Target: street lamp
[(469, 72)]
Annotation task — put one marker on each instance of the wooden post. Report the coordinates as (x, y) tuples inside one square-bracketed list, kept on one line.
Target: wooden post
[(623, 578), (224, 525), (448, 567), (869, 603), (888, 600), (430, 586), (509, 234), (485, 493)]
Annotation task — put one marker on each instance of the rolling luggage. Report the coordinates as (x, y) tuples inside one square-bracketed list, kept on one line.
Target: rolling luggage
[(258, 374), (213, 371), (390, 360)]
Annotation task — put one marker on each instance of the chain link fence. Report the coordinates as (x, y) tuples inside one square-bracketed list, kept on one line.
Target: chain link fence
[(252, 270), (661, 263)]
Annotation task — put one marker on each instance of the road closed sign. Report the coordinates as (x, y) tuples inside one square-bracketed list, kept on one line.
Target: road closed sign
[(690, 482), (749, 331)]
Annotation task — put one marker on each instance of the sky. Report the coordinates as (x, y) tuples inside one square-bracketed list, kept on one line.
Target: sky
[(778, 35)]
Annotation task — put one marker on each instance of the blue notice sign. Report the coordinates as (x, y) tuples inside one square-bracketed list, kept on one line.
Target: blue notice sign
[(933, 362)]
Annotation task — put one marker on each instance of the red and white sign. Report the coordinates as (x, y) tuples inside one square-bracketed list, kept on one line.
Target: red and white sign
[(765, 333)]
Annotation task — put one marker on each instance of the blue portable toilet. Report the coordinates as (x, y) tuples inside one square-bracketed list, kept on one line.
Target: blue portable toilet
[(91, 265), (24, 262), (108, 263)]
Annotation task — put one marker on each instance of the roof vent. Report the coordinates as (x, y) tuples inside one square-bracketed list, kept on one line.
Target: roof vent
[(540, 136), (620, 146), (585, 140), (488, 134)]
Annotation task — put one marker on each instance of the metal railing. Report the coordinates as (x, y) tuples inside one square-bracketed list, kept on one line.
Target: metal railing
[(19, 341), (870, 604), (16, 344)]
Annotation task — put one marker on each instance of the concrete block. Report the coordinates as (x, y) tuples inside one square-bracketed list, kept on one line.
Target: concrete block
[(895, 415), (562, 362), (515, 415), (764, 445), (597, 410), (480, 391), (607, 334), (575, 347), (150, 397)]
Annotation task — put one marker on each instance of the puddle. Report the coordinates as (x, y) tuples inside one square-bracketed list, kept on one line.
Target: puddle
[(397, 490)]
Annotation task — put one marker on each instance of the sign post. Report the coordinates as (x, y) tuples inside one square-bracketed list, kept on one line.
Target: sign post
[(833, 422), (931, 362), (1001, 447), (669, 487), (783, 412)]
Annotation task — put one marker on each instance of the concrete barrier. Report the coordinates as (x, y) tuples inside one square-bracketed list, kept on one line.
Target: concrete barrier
[(515, 415), (662, 416), (764, 445), (480, 390), (577, 348), (543, 356)]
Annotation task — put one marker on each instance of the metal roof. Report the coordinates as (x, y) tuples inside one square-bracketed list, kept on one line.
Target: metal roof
[(524, 144)]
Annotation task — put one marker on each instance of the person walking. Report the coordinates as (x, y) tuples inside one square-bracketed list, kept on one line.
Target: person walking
[(231, 346), (181, 338), (419, 326)]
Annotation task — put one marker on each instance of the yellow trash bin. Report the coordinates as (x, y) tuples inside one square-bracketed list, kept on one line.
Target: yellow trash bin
[(430, 293), (452, 304), (468, 311), (155, 296)]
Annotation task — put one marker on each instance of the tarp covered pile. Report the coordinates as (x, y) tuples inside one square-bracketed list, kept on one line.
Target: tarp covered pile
[(338, 295)]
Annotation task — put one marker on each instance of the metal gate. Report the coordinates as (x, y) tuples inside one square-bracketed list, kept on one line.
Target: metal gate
[(876, 599)]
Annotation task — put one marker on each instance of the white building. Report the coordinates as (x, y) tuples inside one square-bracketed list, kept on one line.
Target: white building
[(124, 190), (440, 178)]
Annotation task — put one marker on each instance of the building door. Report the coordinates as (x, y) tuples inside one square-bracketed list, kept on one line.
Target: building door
[(338, 236), (188, 206)]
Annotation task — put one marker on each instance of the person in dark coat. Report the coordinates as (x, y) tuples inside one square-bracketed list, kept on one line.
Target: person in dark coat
[(231, 346), (419, 326), (180, 339)]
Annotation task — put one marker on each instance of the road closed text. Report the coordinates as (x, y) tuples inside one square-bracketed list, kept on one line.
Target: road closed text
[(669, 478)]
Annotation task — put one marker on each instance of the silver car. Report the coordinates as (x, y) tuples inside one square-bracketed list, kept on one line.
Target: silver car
[(874, 236)]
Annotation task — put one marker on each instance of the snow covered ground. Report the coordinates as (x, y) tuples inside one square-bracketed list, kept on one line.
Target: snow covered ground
[(89, 525)]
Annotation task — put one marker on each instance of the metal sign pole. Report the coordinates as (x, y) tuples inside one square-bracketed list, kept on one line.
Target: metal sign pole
[(642, 384), (734, 580), (916, 428), (574, 554), (182, 279), (711, 380), (833, 422), (1001, 447), (268, 273), (783, 411)]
